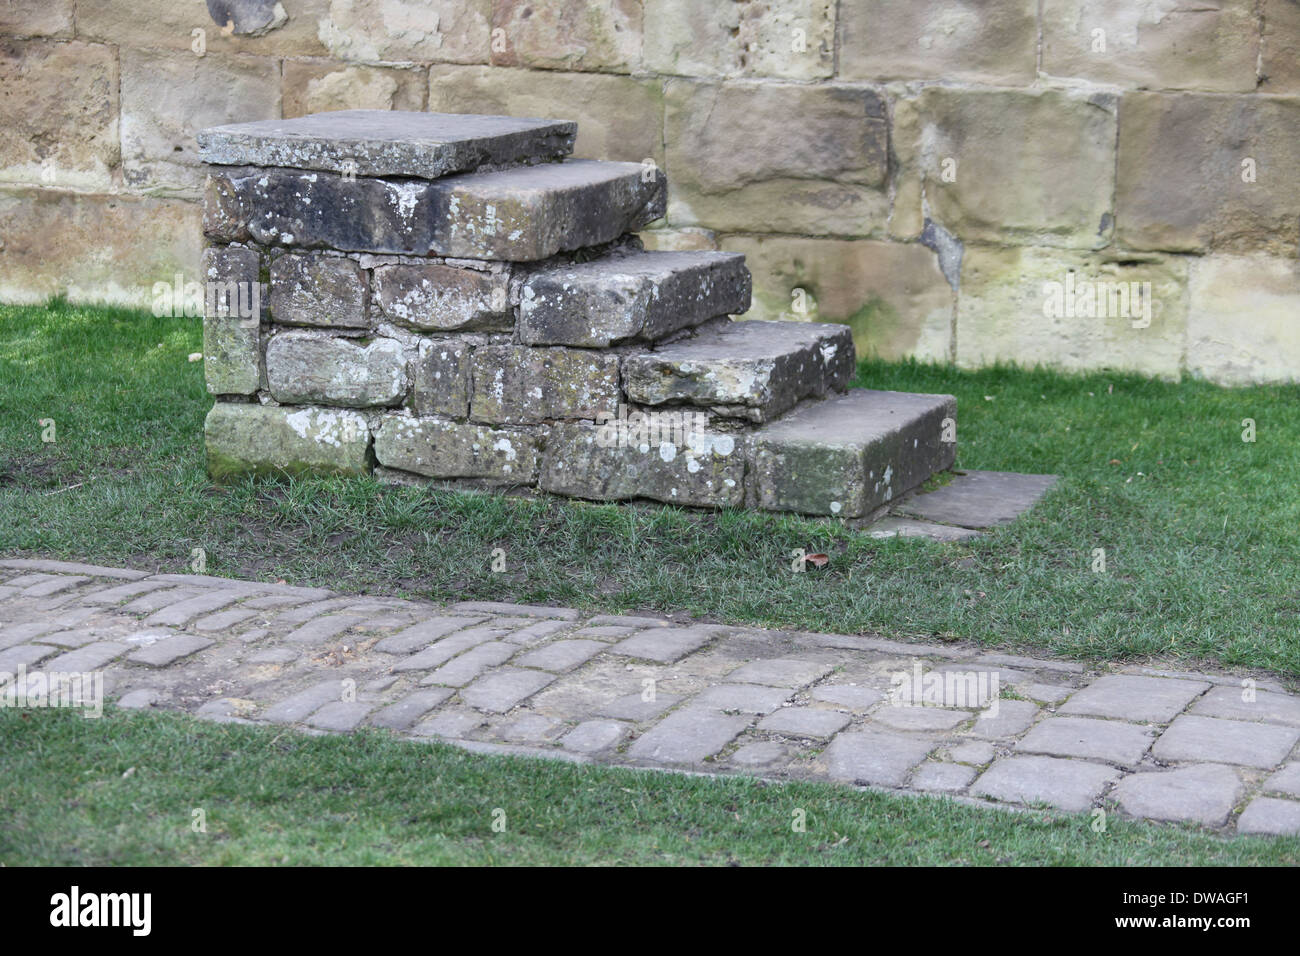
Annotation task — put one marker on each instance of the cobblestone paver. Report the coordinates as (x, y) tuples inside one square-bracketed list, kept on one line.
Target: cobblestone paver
[(1218, 750)]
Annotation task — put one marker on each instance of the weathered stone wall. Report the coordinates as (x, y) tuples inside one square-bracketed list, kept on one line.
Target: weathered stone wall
[(1085, 183)]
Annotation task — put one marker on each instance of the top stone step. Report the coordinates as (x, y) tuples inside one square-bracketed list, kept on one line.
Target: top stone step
[(388, 143)]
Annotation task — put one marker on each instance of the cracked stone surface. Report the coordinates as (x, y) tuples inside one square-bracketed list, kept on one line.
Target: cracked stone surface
[(1215, 750)]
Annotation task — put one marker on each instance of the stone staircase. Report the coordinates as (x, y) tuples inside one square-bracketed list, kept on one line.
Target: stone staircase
[(446, 298)]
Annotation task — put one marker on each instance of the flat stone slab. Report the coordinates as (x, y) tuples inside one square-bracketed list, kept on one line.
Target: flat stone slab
[(1129, 697), (388, 142), (1210, 739), (742, 698), (755, 370), (980, 499), (857, 699), (1109, 740), (850, 454), (1269, 815), (505, 688), (1068, 784), (1286, 780), (942, 777), (781, 672), (666, 644), (804, 722), (1203, 794), (630, 296), (899, 527), (875, 757), (1237, 704), (687, 736)]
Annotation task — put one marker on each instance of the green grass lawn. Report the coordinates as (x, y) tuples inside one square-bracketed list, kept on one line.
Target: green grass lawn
[(122, 790), (1201, 530)]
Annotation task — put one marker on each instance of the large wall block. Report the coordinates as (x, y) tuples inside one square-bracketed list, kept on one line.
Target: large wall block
[(308, 368), (94, 248), (319, 86), (245, 439), (1203, 172), (568, 34), (951, 40), (36, 18), (168, 97), (59, 100), (1002, 165), (619, 117), (892, 295), (1072, 311), (1243, 323), (1280, 54), (442, 449), (437, 297), (523, 214), (514, 384), (702, 469), (792, 39), (172, 25), (1153, 44), (777, 157), (327, 291), (397, 31), (232, 338), (440, 378)]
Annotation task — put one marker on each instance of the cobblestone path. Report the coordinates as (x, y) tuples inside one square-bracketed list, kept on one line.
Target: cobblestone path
[(1217, 750)]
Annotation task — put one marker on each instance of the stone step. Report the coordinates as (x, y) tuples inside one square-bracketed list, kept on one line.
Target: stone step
[(388, 142), (753, 370), (850, 454), (522, 214), (630, 296)]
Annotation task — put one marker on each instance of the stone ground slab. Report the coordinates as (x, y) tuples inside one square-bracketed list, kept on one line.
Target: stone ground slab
[(1129, 697), (1067, 784), (1109, 740), (554, 682), (1210, 739), (1204, 794), (979, 499)]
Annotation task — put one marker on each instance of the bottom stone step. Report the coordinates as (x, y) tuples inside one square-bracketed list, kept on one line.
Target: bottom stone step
[(850, 454)]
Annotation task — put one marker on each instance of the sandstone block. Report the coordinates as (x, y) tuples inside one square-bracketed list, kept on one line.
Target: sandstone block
[(269, 440), (328, 291), (61, 107), (754, 370), (793, 39), (232, 356), (321, 86), (171, 25), (440, 379), (1201, 173), (618, 117), (568, 34), (433, 296), (441, 449), (514, 384), (630, 296), (36, 18), (376, 142), (685, 466), (305, 368), (1072, 311), (850, 454), (1153, 44), (951, 40), (1006, 165), (389, 31), (777, 157), (94, 248), (1241, 319), (168, 97), (892, 295)]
